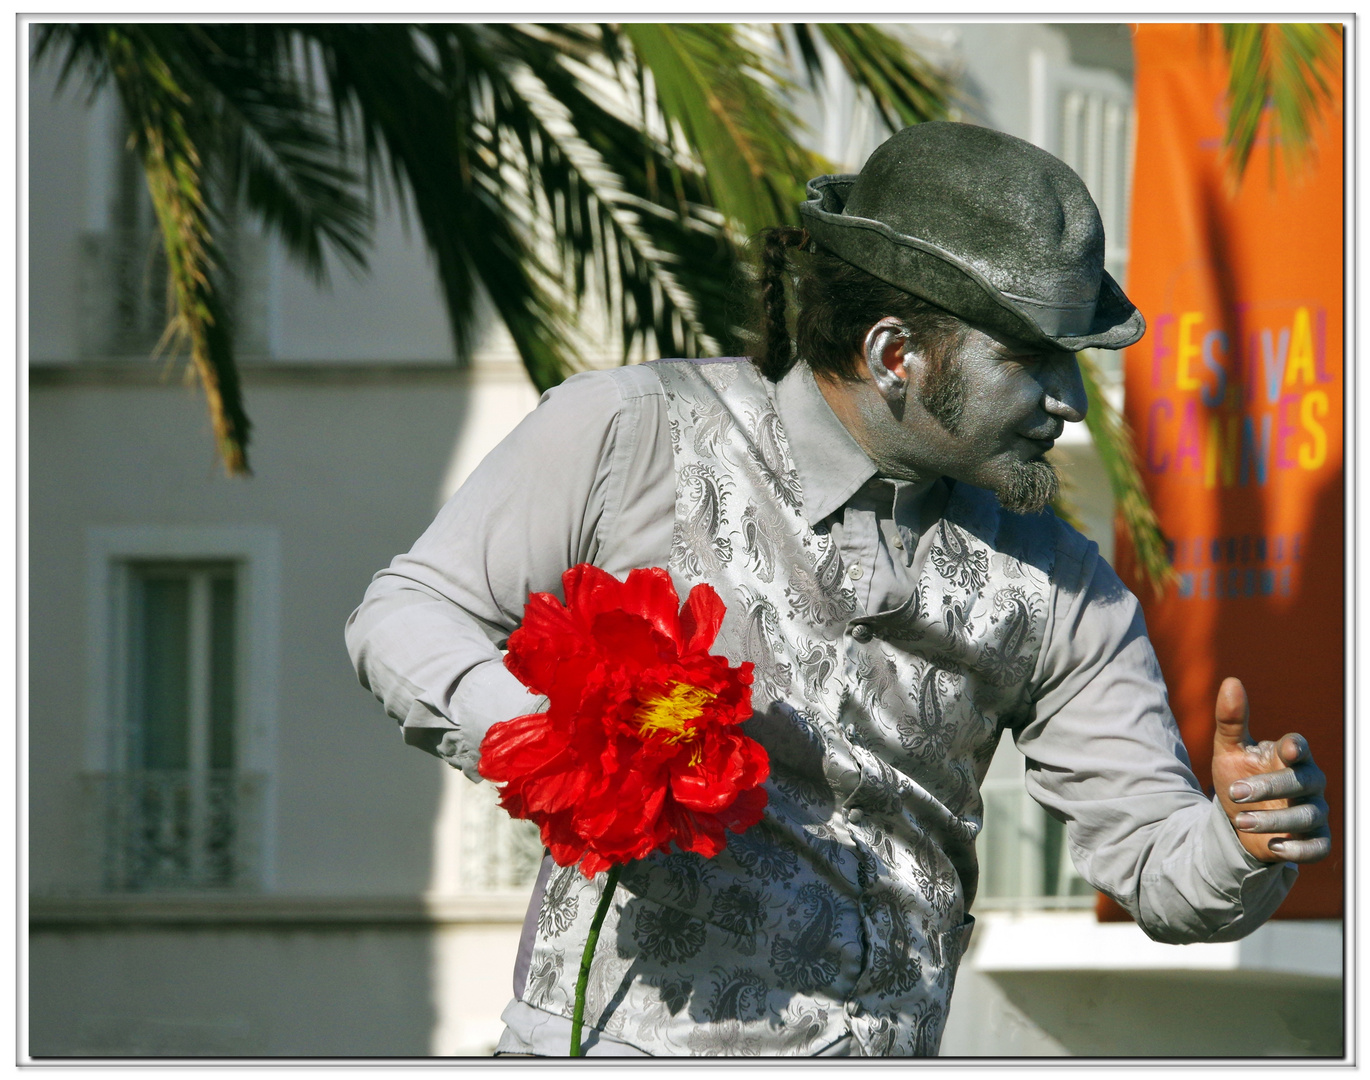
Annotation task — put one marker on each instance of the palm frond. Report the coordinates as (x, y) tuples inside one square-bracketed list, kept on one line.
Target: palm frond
[(161, 113), (902, 86), (1117, 452), (725, 100), (1286, 67), (214, 122), (422, 104), (276, 144), (657, 255), (547, 166)]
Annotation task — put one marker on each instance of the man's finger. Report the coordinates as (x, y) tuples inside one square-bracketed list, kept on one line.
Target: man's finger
[(1304, 781), (1231, 714), (1302, 851), (1294, 749), (1300, 818)]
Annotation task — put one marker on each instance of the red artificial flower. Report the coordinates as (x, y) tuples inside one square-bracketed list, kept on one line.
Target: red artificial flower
[(640, 744)]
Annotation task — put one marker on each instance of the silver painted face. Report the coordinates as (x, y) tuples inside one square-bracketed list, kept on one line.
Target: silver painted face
[(988, 421)]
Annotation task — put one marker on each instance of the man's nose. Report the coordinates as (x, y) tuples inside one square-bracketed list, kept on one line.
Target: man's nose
[(1065, 390)]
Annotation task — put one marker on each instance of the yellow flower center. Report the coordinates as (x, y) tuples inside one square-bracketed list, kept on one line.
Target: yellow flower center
[(670, 713)]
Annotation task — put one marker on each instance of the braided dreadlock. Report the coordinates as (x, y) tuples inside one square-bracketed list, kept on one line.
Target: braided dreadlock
[(838, 304), (774, 357)]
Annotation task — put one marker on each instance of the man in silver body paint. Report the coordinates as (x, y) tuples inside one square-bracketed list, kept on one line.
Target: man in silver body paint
[(872, 517)]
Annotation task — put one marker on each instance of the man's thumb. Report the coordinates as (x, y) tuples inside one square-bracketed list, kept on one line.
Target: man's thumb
[(1232, 714)]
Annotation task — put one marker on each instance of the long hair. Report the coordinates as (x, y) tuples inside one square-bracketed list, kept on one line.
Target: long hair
[(837, 305)]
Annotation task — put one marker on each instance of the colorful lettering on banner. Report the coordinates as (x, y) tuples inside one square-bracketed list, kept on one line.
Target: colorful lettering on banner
[(1235, 399), (1210, 397)]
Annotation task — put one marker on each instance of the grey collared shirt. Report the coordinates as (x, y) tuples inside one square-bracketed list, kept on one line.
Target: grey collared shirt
[(588, 476)]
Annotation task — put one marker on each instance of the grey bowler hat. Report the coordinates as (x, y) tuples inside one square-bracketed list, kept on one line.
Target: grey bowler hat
[(991, 228)]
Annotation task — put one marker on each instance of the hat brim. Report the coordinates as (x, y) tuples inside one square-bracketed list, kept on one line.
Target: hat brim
[(1117, 321), (928, 271)]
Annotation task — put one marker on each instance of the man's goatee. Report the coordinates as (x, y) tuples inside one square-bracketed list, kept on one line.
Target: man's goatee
[(1031, 488)]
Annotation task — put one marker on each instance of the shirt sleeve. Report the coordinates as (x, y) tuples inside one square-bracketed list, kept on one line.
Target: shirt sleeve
[(1104, 756), (585, 477)]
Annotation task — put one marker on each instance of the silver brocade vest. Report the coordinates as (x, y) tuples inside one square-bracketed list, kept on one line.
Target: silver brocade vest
[(844, 909)]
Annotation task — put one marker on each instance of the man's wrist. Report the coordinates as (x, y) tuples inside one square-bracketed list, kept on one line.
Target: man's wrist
[(487, 695)]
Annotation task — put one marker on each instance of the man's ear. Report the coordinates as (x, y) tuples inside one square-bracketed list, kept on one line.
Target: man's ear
[(884, 354)]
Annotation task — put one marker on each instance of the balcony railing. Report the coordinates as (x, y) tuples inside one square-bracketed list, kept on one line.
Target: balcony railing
[(172, 829), (498, 853)]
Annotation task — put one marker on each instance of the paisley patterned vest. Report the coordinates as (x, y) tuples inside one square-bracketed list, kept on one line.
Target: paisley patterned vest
[(843, 911)]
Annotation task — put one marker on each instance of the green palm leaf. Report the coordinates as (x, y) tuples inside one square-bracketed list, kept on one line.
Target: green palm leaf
[(628, 214), (162, 116), (902, 86), (534, 181), (724, 99), (1117, 452), (216, 119), (277, 147), (1286, 66)]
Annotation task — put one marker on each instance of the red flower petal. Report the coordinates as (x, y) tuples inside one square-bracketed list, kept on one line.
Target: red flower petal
[(700, 833), (591, 591), (745, 811), (701, 618), (517, 747), (711, 783), (651, 594), (550, 650), (639, 748), (632, 641)]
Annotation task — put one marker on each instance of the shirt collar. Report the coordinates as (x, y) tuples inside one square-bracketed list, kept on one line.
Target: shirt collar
[(831, 466)]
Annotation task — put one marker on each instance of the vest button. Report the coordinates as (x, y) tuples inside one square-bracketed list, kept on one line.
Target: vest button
[(855, 814), (854, 573), (862, 632)]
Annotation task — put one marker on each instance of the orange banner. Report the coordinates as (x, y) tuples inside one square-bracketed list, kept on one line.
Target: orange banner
[(1235, 399)]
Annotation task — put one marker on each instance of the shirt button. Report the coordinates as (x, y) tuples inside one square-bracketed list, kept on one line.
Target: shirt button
[(854, 573), (862, 632), (855, 814)]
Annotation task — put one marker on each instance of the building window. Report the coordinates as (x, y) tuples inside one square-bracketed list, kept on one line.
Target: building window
[(1024, 860), (1084, 116), (175, 805), (1096, 140), (182, 686)]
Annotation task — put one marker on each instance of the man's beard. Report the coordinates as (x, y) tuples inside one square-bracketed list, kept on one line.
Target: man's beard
[(1031, 486), (943, 394)]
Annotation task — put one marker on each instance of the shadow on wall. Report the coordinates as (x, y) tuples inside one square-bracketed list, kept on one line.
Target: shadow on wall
[(348, 467)]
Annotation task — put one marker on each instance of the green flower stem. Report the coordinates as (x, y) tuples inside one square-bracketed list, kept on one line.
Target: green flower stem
[(610, 884)]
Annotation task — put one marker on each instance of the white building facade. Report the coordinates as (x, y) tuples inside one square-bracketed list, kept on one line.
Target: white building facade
[(231, 852)]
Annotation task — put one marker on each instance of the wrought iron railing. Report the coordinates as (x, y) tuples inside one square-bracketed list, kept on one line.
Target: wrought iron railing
[(498, 853), (172, 829)]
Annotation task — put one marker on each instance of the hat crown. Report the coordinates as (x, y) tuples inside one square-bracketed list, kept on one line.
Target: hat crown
[(991, 228), (1020, 216)]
